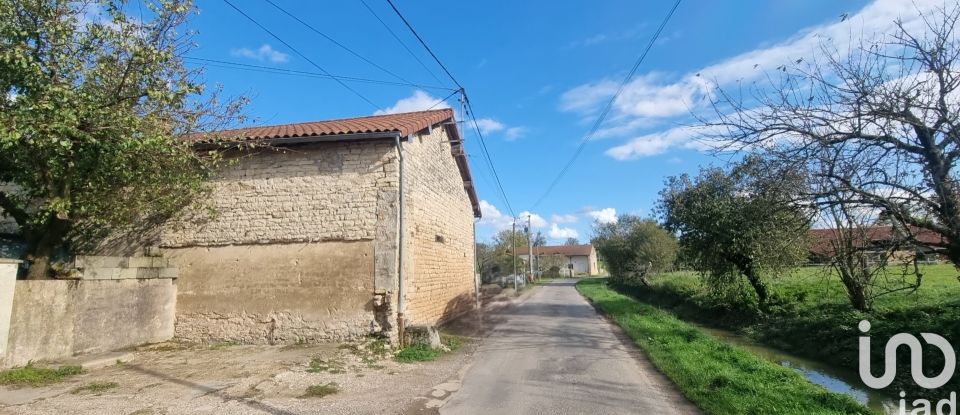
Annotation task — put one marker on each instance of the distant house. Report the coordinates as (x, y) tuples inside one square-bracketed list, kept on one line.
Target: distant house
[(582, 259), (907, 243)]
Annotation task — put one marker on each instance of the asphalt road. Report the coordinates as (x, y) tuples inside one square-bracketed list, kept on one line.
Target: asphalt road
[(553, 354)]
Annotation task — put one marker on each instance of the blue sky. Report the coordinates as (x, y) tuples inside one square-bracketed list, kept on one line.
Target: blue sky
[(537, 73)]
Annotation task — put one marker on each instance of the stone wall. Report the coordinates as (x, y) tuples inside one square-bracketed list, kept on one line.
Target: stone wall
[(55, 319), (302, 239), (439, 228), (283, 293)]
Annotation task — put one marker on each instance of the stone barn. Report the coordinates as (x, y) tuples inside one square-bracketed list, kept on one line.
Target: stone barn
[(329, 230)]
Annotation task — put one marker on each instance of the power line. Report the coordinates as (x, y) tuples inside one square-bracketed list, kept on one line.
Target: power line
[(468, 108), (279, 39), (422, 42), (307, 74), (442, 100), (483, 145), (332, 40), (606, 109), (401, 42)]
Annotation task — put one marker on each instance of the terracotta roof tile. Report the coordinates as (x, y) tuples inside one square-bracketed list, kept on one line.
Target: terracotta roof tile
[(821, 240), (569, 250), (404, 123)]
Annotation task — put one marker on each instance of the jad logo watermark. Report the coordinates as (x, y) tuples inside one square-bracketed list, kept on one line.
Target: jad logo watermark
[(945, 406)]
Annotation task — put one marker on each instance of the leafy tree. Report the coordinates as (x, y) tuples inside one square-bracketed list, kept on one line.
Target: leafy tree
[(745, 222), (634, 247), (877, 118), (92, 105), (503, 244), (571, 242)]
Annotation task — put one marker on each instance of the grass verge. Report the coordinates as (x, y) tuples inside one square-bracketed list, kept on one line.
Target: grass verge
[(810, 316), (30, 375), (721, 379)]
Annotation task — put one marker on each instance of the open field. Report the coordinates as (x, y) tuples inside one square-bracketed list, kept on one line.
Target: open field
[(809, 314), (718, 377)]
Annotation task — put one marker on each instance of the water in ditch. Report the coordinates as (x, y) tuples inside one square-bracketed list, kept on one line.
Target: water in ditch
[(836, 380)]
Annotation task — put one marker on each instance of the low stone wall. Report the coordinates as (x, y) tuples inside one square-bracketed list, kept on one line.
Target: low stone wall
[(56, 319)]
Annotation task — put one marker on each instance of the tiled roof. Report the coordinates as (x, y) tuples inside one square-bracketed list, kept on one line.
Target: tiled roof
[(373, 127), (404, 123), (821, 240), (568, 250)]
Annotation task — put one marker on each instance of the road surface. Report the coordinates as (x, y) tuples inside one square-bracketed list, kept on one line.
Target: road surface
[(553, 354)]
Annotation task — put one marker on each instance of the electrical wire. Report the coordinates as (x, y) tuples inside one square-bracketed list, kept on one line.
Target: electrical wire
[(486, 152), (401, 42), (422, 42), (334, 41), (295, 50), (606, 109), (468, 108), (307, 74)]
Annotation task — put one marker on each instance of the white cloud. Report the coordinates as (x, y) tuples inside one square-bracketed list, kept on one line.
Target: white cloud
[(419, 101), (563, 218), (659, 142), (556, 232), (489, 125), (606, 215), (536, 220), (654, 95), (265, 53), (514, 133), (491, 216)]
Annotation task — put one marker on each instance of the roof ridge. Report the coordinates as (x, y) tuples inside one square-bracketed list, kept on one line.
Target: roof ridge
[(365, 117)]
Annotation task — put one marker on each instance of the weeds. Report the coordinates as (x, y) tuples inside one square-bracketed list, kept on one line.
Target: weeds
[(30, 375), (319, 391), (417, 353), (95, 387), (320, 365)]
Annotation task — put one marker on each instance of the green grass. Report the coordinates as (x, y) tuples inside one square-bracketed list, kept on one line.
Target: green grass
[(810, 316), (417, 353), (423, 353), (721, 379), (95, 387), (319, 391), (321, 365), (30, 375)]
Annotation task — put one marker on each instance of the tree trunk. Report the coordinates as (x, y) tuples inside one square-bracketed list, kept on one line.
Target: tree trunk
[(856, 291), (756, 282), (44, 246)]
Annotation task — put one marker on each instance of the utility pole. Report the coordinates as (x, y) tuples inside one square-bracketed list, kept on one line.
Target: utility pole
[(513, 240), (530, 246)]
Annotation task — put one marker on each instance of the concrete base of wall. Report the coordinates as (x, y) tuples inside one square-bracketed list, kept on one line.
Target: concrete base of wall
[(55, 319), (276, 293)]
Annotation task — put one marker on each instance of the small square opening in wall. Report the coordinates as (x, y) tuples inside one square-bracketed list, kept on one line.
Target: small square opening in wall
[(440, 238)]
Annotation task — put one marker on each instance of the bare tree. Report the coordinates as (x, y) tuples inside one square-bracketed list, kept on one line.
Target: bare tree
[(862, 253), (886, 113)]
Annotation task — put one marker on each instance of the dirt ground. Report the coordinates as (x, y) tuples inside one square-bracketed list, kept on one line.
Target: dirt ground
[(173, 378)]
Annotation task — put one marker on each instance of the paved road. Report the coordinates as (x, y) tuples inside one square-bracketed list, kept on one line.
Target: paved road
[(553, 354)]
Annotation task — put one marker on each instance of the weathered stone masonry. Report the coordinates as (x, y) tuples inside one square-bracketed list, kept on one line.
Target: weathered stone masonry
[(293, 250), (439, 226)]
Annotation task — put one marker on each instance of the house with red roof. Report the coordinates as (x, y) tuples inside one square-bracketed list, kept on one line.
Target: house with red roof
[(328, 230), (579, 259), (904, 243)]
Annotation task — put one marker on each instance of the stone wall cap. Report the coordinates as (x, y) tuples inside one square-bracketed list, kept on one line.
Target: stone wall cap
[(10, 261)]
